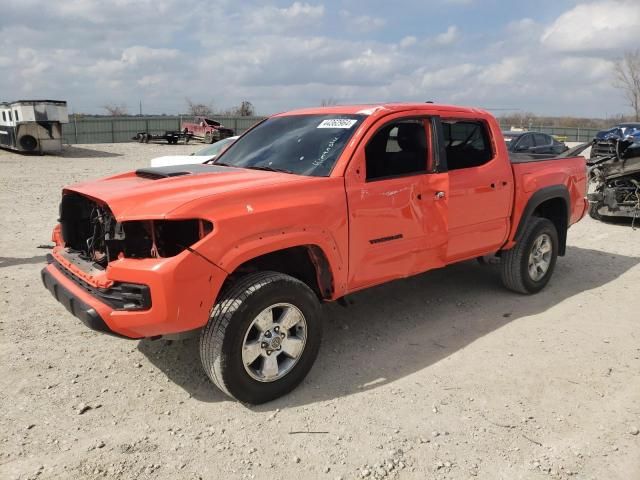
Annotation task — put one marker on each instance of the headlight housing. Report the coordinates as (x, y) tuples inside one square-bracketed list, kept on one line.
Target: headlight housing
[(155, 238)]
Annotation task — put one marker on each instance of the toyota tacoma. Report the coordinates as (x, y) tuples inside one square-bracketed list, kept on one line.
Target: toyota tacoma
[(307, 207)]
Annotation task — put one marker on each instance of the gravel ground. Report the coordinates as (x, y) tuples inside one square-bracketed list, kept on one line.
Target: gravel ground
[(444, 375)]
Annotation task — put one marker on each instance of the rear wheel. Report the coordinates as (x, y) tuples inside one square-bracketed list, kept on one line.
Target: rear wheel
[(262, 338), (208, 138), (528, 266)]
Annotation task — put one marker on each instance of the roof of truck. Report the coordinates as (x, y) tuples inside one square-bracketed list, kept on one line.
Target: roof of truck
[(371, 108)]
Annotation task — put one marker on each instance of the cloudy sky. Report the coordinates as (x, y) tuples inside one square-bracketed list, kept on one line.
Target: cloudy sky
[(548, 56)]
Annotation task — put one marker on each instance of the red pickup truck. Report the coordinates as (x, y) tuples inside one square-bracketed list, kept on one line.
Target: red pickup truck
[(306, 207), (205, 129)]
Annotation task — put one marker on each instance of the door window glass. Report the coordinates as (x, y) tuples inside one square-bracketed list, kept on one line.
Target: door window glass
[(467, 143), (399, 148)]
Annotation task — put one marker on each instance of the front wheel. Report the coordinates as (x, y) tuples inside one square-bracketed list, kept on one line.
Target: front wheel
[(528, 266), (262, 337), (593, 210)]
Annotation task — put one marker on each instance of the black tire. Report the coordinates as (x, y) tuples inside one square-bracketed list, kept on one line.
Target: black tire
[(222, 338), (515, 272), (208, 138), (28, 143), (593, 210)]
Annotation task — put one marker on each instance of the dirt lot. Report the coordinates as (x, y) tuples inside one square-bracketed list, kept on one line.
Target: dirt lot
[(445, 375)]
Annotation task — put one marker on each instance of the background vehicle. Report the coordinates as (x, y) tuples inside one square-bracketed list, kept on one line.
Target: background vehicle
[(33, 126), (201, 156), (533, 142), (614, 173), (306, 207), (207, 130), (171, 137), (602, 145)]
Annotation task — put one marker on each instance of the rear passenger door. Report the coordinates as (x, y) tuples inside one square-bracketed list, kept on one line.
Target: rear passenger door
[(544, 143), (481, 189)]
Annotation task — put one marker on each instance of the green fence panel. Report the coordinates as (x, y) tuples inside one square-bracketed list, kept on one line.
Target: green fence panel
[(123, 129)]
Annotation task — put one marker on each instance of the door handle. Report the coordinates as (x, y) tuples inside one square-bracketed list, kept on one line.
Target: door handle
[(440, 195)]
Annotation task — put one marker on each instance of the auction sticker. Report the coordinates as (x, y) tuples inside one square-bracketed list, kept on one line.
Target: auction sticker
[(337, 123)]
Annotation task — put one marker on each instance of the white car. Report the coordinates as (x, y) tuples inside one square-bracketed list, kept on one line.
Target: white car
[(207, 153)]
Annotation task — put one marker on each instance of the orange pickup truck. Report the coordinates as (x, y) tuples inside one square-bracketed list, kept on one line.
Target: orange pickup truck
[(306, 207)]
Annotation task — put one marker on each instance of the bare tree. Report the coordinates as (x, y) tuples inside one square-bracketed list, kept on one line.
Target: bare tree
[(627, 78), (246, 109), (116, 110), (199, 109), (328, 102)]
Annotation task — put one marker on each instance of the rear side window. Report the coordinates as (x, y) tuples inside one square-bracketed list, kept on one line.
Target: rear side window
[(16, 112), (467, 143), (397, 149), (542, 139)]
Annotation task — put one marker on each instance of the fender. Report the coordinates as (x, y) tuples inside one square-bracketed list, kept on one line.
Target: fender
[(547, 193), (324, 254)]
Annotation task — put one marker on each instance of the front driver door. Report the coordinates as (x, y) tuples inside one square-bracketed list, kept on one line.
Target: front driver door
[(397, 203)]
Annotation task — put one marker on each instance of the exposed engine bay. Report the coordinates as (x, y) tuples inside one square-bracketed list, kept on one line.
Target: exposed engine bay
[(614, 175), (90, 230)]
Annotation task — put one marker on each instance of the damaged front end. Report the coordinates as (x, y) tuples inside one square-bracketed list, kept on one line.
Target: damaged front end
[(89, 238), (91, 232), (614, 176)]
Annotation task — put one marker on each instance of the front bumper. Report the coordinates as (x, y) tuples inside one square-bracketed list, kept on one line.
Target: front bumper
[(182, 291), (74, 304)]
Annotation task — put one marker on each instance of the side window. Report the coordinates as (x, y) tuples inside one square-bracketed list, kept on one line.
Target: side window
[(542, 140), (399, 148), (526, 141), (467, 143), (16, 114), (10, 116), (4, 117)]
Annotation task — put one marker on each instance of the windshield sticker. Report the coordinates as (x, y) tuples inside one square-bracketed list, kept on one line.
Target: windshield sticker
[(337, 123)]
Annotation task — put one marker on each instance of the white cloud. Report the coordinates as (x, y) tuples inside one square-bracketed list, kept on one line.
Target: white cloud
[(449, 37), (408, 41), (362, 23), (597, 26), (273, 19), (285, 55)]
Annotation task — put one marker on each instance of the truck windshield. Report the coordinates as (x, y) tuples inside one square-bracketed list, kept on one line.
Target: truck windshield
[(301, 144)]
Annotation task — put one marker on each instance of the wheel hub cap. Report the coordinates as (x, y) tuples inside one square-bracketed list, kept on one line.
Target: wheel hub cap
[(540, 257), (274, 342)]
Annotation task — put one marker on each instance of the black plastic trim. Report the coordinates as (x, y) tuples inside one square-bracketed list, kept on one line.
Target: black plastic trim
[(79, 309), (542, 195)]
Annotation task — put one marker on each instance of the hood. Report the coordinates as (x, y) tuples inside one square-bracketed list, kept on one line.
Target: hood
[(619, 133), (153, 193), (179, 160)]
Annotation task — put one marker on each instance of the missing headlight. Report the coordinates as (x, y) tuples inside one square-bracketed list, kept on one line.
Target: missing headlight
[(156, 238)]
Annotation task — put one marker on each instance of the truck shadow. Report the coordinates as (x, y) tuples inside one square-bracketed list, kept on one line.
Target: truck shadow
[(394, 330), (73, 151)]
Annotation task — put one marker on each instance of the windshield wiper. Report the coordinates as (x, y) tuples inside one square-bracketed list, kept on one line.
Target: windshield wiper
[(268, 169)]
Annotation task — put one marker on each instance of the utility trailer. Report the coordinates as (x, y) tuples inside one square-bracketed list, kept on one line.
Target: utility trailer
[(171, 137), (33, 126)]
